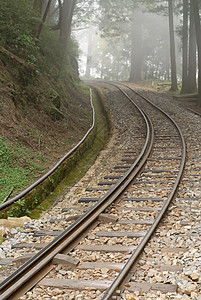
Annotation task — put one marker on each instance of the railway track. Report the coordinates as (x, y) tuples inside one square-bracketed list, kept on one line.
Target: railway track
[(194, 111), (107, 241)]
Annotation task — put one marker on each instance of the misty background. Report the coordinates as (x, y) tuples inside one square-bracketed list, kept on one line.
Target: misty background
[(117, 33)]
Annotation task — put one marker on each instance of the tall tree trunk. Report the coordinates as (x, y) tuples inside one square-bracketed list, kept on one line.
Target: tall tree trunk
[(184, 88), (66, 20), (53, 9), (89, 52), (172, 49), (136, 49), (132, 53), (45, 2), (167, 66), (43, 19), (192, 87), (37, 6), (198, 37)]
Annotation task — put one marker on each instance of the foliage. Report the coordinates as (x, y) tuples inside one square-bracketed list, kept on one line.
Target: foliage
[(86, 13), (115, 17), (106, 53), (52, 90), (153, 6), (52, 59), (110, 57), (19, 209), (16, 168), (17, 21)]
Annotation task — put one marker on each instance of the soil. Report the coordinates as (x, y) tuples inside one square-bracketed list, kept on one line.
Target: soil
[(28, 125)]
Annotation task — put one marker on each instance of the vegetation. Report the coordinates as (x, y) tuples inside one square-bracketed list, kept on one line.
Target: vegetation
[(42, 101), (142, 40), (17, 21), (16, 168)]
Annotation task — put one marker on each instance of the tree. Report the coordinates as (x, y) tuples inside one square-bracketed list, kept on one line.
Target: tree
[(132, 20), (120, 20), (136, 48), (134, 32), (172, 48), (184, 88), (192, 87), (66, 20), (89, 52), (38, 31), (198, 37)]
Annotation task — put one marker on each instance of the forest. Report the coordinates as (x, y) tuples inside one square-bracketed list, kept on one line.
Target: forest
[(49, 47), (142, 40)]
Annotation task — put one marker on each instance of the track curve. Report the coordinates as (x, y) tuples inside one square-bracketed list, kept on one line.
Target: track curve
[(122, 277), (28, 274), (145, 164)]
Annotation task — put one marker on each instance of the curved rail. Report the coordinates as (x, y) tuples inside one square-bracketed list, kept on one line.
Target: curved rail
[(29, 273), (120, 280), (45, 176)]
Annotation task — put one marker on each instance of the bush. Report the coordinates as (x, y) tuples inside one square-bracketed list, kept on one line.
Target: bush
[(17, 23)]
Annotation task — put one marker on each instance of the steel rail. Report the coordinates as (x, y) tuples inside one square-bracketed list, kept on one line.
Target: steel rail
[(193, 111), (121, 278), (27, 274), (45, 176)]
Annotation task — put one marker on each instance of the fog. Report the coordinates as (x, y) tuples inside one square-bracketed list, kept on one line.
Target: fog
[(134, 45)]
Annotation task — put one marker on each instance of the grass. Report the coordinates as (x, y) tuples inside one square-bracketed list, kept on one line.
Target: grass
[(16, 168)]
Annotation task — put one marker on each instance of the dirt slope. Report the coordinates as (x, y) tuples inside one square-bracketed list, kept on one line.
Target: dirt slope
[(40, 120)]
